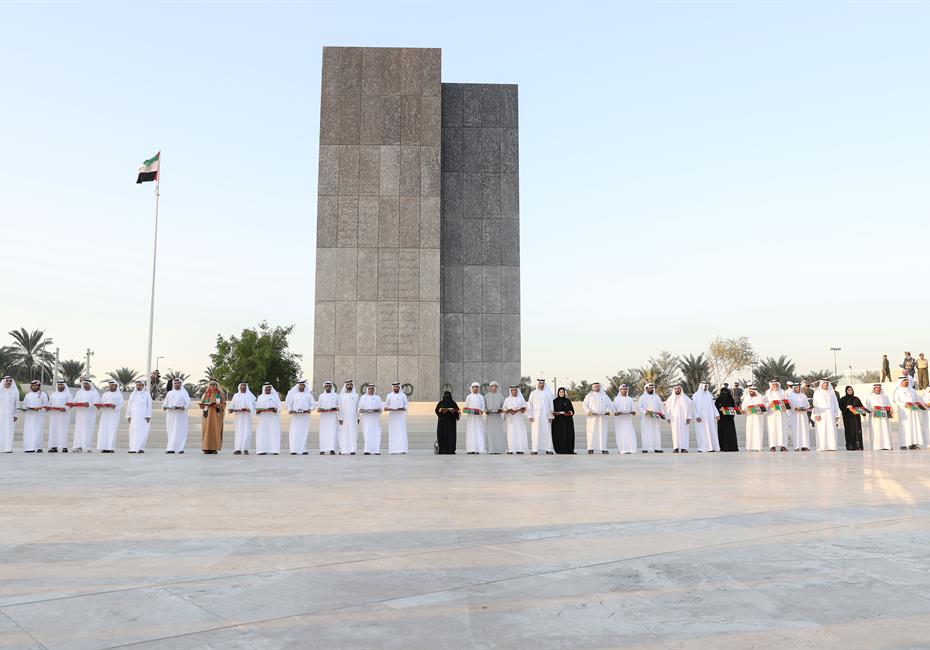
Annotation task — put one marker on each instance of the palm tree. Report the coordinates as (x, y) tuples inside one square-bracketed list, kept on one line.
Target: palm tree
[(208, 375), (526, 387), (771, 368), (813, 377), (169, 378), (630, 377), (662, 371), (29, 356), (694, 370), (869, 377), (72, 371), (171, 375), (577, 392), (6, 359), (193, 390), (124, 377)]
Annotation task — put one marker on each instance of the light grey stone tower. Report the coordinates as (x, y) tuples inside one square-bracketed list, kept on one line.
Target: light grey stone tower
[(410, 286)]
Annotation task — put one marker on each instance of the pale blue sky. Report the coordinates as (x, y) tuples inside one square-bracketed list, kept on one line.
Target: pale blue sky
[(687, 170)]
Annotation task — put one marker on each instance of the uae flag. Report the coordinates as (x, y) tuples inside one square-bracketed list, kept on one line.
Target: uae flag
[(149, 169)]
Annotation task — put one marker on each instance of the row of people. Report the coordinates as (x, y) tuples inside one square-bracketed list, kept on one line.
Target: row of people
[(783, 415), (494, 423), (340, 417)]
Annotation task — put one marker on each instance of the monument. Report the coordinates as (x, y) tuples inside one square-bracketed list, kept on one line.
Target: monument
[(418, 265)]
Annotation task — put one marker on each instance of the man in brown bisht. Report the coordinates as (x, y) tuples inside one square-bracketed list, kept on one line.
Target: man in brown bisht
[(213, 404)]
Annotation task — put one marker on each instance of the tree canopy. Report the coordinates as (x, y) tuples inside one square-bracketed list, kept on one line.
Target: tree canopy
[(257, 355)]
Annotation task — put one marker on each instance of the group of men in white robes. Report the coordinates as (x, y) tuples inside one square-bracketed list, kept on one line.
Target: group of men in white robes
[(489, 416), (342, 417), (679, 410)]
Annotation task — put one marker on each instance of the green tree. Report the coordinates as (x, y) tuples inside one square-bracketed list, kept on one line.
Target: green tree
[(72, 371), (726, 356), (694, 370), (124, 377), (771, 368), (630, 377), (29, 355), (257, 355)]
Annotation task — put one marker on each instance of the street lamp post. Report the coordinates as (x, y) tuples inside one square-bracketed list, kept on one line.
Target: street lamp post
[(835, 350), (157, 359)]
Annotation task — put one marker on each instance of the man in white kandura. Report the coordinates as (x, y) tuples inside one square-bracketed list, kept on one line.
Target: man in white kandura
[(396, 404), (370, 407), (879, 413), (494, 424), (111, 403), (9, 403), (85, 416), (706, 416), (328, 408), (514, 408), (139, 415), (539, 410), (624, 410), (754, 406), (268, 431), (299, 403), (175, 405), (925, 415), (800, 421), (242, 407), (649, 425), (826, 410), (678, 410), (775, 419), (34, 404), (59, 418), (911, 436), (474, 420), (597, 410), (348, 419)]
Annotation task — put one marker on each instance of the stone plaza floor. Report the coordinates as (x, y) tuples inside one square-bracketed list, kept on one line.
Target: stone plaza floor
[(747, 550)]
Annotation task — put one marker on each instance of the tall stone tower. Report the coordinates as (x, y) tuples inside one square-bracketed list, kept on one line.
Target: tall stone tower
[(417, 271)]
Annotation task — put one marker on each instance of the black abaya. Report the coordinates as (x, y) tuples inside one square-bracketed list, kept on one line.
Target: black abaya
[(726, 425), (563, 426), (852, 422), (445, 425)]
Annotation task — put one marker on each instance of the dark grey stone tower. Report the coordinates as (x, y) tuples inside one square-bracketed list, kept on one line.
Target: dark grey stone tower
[(480, 250), (417, 270)]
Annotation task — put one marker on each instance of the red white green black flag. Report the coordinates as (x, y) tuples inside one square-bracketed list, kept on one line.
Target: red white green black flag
[(149, 169)]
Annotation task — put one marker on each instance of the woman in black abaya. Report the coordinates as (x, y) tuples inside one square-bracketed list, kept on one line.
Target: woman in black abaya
[(852, 422), (726, 426), (563, 424), (448, 413)]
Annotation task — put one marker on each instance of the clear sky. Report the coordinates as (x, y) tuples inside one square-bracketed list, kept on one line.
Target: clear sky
[(687, 170)]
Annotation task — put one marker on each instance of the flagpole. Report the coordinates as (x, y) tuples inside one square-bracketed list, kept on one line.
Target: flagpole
[(148, 356)]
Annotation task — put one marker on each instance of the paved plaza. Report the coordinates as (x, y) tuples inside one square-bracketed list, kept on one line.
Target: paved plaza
[(748, 550)]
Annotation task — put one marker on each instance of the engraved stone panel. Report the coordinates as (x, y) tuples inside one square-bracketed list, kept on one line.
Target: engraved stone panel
[(366, 337), (408, 267), (346, 323), (368, 222)]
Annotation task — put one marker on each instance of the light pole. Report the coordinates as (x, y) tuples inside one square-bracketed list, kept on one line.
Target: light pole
[(835, 350), (157, 359), (89, 354)]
